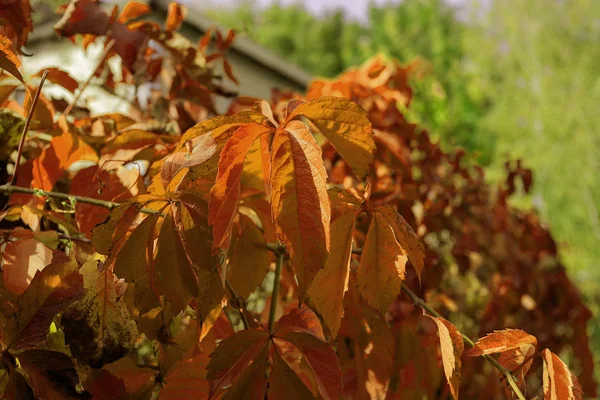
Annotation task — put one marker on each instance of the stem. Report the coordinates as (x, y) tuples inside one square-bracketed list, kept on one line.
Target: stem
[(420, 302), (275, 294), (239, 304), (107, 50), (64, 196), (26, 127)]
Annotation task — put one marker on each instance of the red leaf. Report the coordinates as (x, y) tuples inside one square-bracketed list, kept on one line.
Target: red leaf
[(60, 77), (22, 260), (300, 320)]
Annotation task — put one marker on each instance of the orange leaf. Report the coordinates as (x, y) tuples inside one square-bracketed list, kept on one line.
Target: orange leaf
[(504, 340), (43, 113), (299, 201), (559, 381), (64, 150), (8, 59), (50, 291), (346, 126), (406, 236), (226, 191), (327, 290), (175, 16), (285, 383), (451, 346), (300, 320), (382, 265), (133, 10), (21, 261)]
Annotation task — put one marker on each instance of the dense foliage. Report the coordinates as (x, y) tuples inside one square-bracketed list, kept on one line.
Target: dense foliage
[(297, 247)]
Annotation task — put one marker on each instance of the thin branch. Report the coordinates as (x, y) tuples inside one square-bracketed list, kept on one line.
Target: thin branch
[(9, 189), (420, 302), (239, 304), (275, 295), (107, 50), (26, 127)]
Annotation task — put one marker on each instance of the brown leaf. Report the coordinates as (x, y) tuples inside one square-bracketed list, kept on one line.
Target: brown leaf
[(187, 379), (406, 236), (299, 201), (233, 356), (60, 77), (132, 263), (504, 340), (106, 234), (53, 375), (300, 320), (285, 384), (451, 346), (559, 381), (382, 265), (8, 59), (327, 290), (249, 258)]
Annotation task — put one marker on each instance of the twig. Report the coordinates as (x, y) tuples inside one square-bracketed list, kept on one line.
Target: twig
[(275, 295), (420, 302), (9, 189), (26, 127), (107, 50), (239, 304)]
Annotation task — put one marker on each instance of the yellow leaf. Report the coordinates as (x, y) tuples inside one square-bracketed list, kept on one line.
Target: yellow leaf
[(346, 126), (382, 265), (299, 201), (406, 236), (327, 290), (451, 346)]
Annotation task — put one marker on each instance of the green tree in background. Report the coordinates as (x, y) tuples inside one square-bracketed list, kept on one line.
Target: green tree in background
[(446, 102)]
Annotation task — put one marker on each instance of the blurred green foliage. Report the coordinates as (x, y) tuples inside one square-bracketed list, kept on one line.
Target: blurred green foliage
[(508, 79)]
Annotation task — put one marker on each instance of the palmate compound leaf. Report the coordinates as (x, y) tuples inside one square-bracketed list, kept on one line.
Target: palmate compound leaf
[(559, 381), (51, 290), (346, 126), (99, 328), (299, 202), (226, 191), (516, 349), (382, 265), (451, 347), (327, 290), (238, 365)]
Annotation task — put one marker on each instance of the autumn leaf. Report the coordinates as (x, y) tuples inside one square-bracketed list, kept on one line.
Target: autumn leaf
[(406, 237), (451, 347), (299, 201), (516, 349), (382, 265), (51, 290), (285, 384), (133, 10), (327, 290), (132, 263), (106, 234), (559, 382), (226, 191), (99, 328), (347, 127), (187, 379), (232, 357), (175, 16), (248, 259), (53, 375), (21, 261), (8, 59)]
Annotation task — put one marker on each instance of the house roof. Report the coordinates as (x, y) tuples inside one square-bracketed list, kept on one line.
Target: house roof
[(195, 20), (245, 46)]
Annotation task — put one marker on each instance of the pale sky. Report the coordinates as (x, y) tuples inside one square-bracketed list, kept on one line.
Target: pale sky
[(355, 9)]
